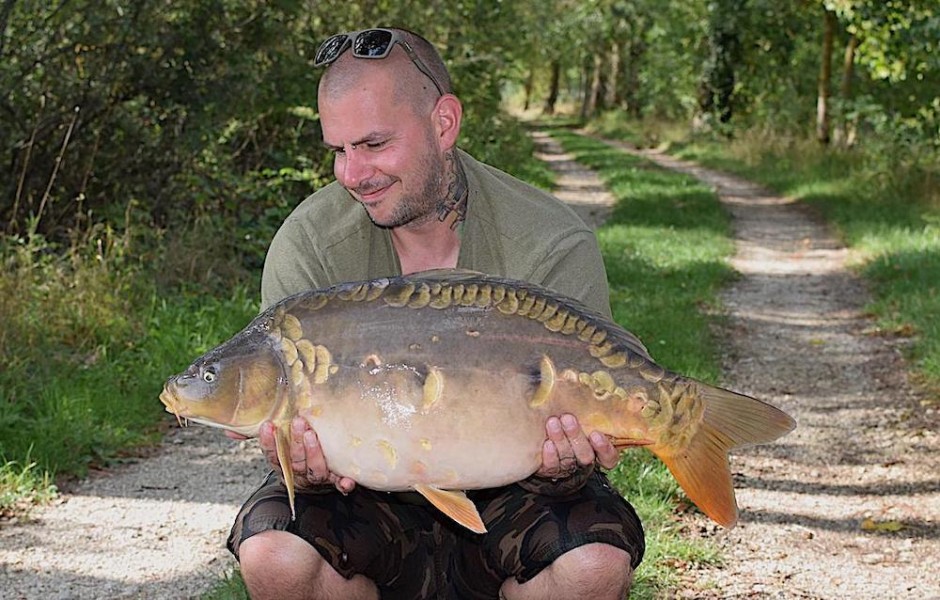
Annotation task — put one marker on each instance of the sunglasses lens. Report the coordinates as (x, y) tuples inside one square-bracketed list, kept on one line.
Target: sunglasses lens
[(330, 50), (374, 43)]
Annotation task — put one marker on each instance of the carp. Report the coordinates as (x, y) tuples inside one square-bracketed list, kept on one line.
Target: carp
[(442, 381)]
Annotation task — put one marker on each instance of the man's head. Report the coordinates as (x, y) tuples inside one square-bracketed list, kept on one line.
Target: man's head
[(391, 129)]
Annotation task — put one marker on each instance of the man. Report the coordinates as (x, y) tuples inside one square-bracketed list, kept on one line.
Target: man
[(387, 111)]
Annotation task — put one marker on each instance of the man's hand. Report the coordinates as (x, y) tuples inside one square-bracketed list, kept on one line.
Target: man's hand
[(306, 456), (568, 448)]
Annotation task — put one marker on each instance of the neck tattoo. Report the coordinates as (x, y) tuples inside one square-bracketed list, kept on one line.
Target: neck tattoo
[(453, 207)]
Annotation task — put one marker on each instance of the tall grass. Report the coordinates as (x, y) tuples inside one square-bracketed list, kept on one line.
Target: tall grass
[(86, 341), (664, 248)]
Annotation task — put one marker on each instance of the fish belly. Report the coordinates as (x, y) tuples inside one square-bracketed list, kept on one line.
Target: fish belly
[(383, 430)]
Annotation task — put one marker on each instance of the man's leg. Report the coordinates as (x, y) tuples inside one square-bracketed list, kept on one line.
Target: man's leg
[(596, 571), (584, 544), (276, 564), (362, 545)]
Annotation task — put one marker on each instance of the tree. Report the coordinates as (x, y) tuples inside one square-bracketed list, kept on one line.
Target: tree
[(717, 86), (825, 77)]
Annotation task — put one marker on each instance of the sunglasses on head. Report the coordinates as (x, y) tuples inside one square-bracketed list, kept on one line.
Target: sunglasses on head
[(369, 43)]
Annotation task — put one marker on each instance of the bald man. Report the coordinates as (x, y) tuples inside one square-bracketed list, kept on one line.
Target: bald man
[(406, 199)]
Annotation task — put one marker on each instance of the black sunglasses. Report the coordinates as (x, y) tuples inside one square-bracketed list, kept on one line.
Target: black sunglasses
[(369, 43)]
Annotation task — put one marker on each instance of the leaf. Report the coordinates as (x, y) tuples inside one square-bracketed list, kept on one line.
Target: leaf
[(870, 524)]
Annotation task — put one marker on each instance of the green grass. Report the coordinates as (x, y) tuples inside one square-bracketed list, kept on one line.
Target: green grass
[(664, 248), (86, 346), (22, 486), (230, 587)]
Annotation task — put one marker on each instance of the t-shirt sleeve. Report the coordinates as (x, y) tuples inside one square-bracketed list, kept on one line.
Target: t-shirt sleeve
[(575, 268), (291, 266)]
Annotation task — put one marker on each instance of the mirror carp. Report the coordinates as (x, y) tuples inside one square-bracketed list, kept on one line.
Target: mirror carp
[(442, 381)]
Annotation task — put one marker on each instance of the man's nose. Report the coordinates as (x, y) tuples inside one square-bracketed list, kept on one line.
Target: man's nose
[(352, 169)]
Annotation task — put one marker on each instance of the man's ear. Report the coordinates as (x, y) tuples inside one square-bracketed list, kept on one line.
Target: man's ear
[(447, 115)]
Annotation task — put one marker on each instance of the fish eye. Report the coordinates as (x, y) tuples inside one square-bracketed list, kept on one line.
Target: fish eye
[(208, 375)]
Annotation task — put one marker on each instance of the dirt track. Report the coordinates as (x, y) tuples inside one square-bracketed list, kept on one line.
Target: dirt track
[(818, 508), (847, 506)]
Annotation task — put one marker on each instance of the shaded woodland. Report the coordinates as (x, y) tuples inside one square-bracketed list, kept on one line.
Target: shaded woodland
[(158, 114)]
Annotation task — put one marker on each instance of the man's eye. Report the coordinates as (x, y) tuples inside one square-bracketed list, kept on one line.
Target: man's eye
[(375, 145)]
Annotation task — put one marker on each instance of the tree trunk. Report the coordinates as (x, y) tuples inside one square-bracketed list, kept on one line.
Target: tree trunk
[(611, 98), (552, 98), (825, 76), (589, 108), (847, 130), (529, 83), (716, 87), (631, 95)]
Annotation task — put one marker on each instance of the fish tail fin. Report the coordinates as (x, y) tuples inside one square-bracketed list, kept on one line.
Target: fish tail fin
[(701, 467), (282, 444)]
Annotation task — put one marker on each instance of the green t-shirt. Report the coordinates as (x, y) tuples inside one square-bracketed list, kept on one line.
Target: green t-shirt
[(511, 230)]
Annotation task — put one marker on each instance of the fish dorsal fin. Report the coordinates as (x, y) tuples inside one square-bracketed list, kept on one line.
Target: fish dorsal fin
[(446, 275), (455, 505), (282, 443)]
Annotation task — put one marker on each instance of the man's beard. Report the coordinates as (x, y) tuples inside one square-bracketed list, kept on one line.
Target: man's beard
[(423, 206)]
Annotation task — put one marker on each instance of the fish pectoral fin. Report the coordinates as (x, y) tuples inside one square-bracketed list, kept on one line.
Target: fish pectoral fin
[(624, 443), (282, 443), (455, 505)]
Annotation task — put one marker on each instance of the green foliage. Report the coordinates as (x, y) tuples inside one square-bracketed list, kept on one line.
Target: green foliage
[(23, 485), (230, 587), (86, 345)]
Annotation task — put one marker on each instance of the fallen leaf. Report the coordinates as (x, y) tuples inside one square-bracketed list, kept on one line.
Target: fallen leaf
[(882, 526)]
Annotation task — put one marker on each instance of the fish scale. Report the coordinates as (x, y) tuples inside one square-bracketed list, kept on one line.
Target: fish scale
[(442, 381)]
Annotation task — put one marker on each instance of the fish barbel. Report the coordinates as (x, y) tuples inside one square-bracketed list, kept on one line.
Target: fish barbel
[(442, 381)]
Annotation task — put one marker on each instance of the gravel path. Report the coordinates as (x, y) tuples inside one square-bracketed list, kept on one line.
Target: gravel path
[(819, 509), (846, 506), (152, 529)]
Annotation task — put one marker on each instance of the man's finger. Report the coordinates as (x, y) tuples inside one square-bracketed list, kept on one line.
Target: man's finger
[(298, 453), (577, 440), (607, 455), (556, 434), (317, 471), (268, 445)]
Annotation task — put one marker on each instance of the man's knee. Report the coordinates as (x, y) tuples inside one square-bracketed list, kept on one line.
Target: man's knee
[(271, 560), (279, 565), (592, 571), (600, 567)]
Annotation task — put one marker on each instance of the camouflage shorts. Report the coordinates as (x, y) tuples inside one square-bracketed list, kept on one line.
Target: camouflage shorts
[(410, 550)]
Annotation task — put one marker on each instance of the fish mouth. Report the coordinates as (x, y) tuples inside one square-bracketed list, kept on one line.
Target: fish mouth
[(169, 400)]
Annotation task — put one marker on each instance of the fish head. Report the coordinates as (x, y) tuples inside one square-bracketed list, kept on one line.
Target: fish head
[(237, 386)]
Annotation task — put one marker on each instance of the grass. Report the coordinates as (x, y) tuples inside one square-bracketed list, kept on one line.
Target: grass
[(664, 248), (22, 486), (86, 345)]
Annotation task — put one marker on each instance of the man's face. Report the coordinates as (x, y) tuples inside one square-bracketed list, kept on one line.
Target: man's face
[(387, 156)]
